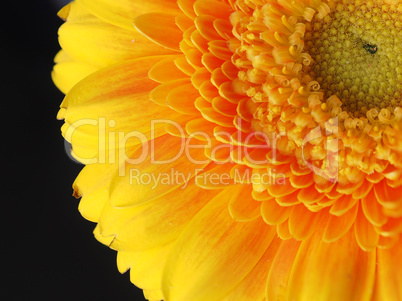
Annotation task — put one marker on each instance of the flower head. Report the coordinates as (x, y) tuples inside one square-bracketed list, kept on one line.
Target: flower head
[(240, 149)]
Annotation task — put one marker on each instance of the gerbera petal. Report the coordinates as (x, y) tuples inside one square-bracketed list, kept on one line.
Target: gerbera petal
[(212, 8), (111, 92), (274, 214), (184, 22), (149, 168), (279, 274), (92, 185), (160, 93), (211, 115), (372, 210), (98, 43), (67, 72), (205, 27), (200, 76), (123, 12), (302, 222), (388, 197), (160, 28), (337, 226), (242, 206), (211, 62), (198, 40), (200, 128), (288, 200), (215, 176), (165, 71), (281, 190), (342, 205), (223, 28), (332, 271), (145, 266), (366, 236), (187, 6), (182, 99), (152, 224), (184, 65), (389, 274), (208, 90), (283, 230), (214, 254), (154, 295), (252, 287)]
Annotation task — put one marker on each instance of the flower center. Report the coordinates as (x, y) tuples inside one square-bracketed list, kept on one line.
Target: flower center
[(357, 55)]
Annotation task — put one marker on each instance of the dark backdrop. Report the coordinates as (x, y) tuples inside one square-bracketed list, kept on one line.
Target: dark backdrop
[(48, 251)]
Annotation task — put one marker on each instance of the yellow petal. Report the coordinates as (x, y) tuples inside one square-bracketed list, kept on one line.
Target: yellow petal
[(224, 107), (121, 13), (211, 62), (220, 50), (154, 224), (274, 214), (309, 195), (182, 99), (278, 277), (187, 7), (183, 64), (160, 28), (337, 226), (165, 71), (106, 240), (200, 76), (387, 196), (393, 227), (215, 176), (242, 206), (204, 24), (212, 8), (211, 115), (289, 200), (332, 271), (92, 185), (366, 236), (119, 92), (373, 210), (160, 93), (342, 205), (214, 254), (157, 168), (208, 91), (67, 72), (194, 36), (95, 42), (146, 267), (302, 222), (389, 274), (303, 181), (155, 295), (281, 190), (200, 128), (283, 230), (252, 287), (64, 12)]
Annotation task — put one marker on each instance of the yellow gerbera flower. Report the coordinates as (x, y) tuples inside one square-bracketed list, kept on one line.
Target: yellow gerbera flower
[(240, 149)]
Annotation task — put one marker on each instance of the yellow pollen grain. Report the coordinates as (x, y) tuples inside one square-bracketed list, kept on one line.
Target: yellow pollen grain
[(357, 53)]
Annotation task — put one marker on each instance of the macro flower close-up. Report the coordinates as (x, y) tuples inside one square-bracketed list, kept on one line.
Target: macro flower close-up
[(239, 149)]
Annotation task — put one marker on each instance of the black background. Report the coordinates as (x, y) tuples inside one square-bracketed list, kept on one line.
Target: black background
[(48, 251)]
